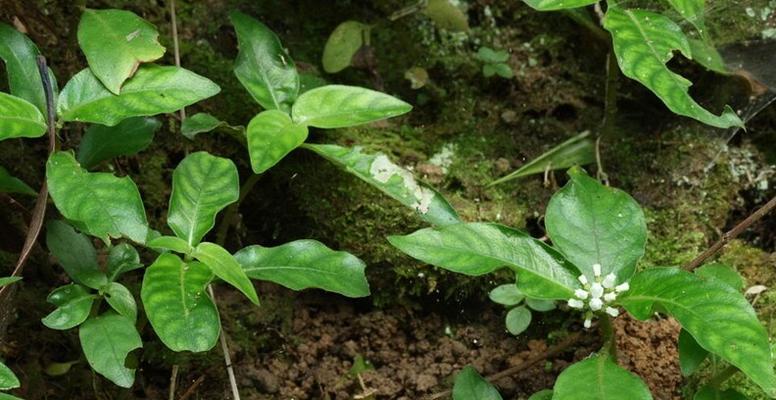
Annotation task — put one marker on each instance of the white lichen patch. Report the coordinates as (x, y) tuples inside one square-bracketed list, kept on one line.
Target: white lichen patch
[(444, 158), (383, 169)]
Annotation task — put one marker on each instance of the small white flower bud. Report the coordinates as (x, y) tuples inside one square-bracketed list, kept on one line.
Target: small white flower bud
[(588, 323), (612, 311), (596, 304), (623, 287), (610, 297), (574, 303), (581, 293), (597, 270), (583, 280), (596, 290), (609, 281)]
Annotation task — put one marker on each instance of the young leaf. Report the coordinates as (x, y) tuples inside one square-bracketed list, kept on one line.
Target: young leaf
[(122, 258), (579, 150), (8, 379), (339, 106), (343, 44), (378, 171), (153, 90), (263, 66), (75, 254), (202, 185), (107, 340), (507, 295), (173, 243), (539, 304), (542, 395), (121, 300), (447, 15), (19, 118), (177, 304), (199, 123), (599, 378), (644, 42), (723, 273), (20, 55), (692, 11), (271, 136), (716, 315), (224, 266), (130, 136), (691, 354), (480, 248), (99, 204), (115, 42), (11, 184), (594, 224), (306, 264), (469, 385), (7, 280), (553, 5), (518, 319), (73, 303), (490, 56), (710, 393), (708, 56)]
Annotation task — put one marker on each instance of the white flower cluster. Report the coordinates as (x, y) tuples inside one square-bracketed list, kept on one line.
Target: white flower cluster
[(597, 296)]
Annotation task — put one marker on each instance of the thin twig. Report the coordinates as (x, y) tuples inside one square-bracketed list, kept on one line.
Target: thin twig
[(192, 388), (230, 215), (551, 352), (176, 48), (173, 381), (731, 234), (225, 349)]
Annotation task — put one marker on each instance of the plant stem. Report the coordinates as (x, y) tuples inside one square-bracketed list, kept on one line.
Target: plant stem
[(176, 48), (610, 338), (231, 211), (173, 381), (225, 349), (722, 376), (610, 110)]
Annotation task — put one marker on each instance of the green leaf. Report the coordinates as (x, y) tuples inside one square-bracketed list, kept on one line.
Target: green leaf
[(469, 385), (19, 118), (115, 42), (271, 136), (20, 56), (99, 204), (710, 393), (200, 123), (599, 378), (153, 90), (692, 11), (545, 394), (75, 254), (10, 184), (7, 280), (644, 42), (224, 265), (595, 224), (107, 340), (716, 315), (579, 150), (343, 43), (539, 304), (8, 379), (507, 295), (263, 66), (490, 56), (480, 248), (518, 319), (119, 297), (339, 106), (173, 243), (122, 258), (74, 302), (129, 137), (504, 70), (552, 5), (202, 185), (708, 56), (303, 264), (446, 15), (6, 396), (691, 354), (722, 272), (177, 305), (378, 171)]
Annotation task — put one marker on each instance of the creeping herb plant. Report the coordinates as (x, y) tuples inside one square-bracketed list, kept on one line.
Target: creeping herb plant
[(598, 235)]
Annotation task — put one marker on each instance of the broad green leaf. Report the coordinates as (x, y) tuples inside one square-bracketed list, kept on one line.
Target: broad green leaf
[(599, 378), (115, 42), (19, 118), (6, 396), (202, 185), (545, 394), (343, 43), (507, 295), (480, 248), (99, 204), (716, 315), (271, 136), (224, 266), (644, 42), (106, 341), (74, 302), (447, 15), (8, 379), (539, 304), (469, 385), (20, 56), (691, 354), (710, 393), (378, 171), (692, 11), (552, 5), (263, 66), (177, 304), (121, 300), (7, 280), (595, 224), (488, 55), (306, 264), (58, 368), (122, 258), (153, 90), (518, 319), (708, 56), (339, 106), (200, 123), (723, 273), (579, 150), (129, 137), (75, 253), (170, 243), (11, 184)]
